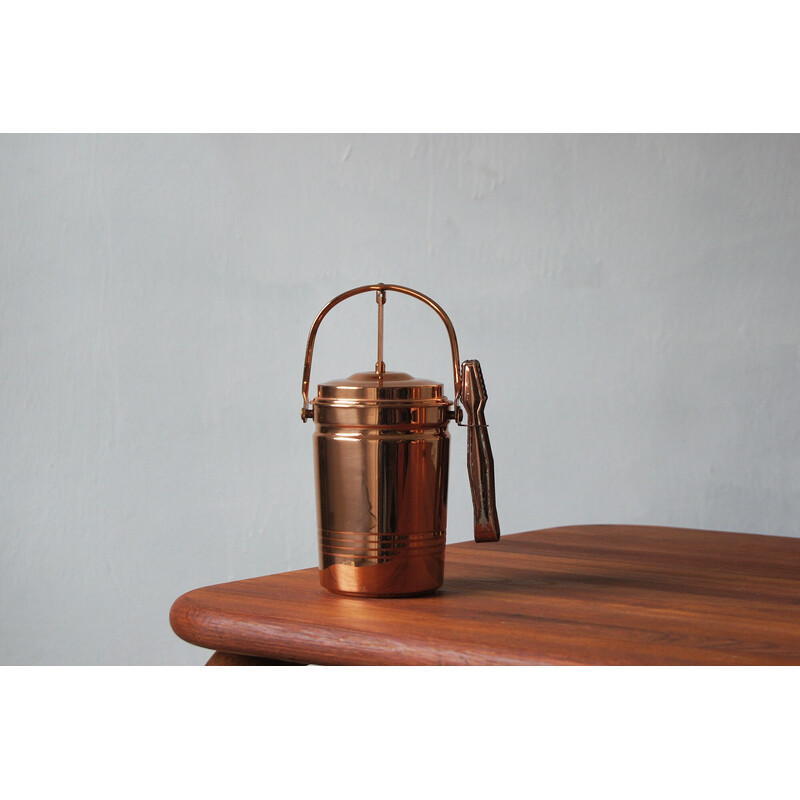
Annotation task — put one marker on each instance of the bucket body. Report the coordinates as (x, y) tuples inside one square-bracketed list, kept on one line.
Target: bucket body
[(381, 454)]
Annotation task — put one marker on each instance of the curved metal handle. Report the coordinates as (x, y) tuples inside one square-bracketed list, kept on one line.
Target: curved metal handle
[(307, 411)]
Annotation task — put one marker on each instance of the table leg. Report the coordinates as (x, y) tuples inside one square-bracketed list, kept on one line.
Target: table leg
[(220, 659)]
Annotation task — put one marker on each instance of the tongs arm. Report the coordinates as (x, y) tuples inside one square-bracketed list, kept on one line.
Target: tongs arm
[(480, 463)]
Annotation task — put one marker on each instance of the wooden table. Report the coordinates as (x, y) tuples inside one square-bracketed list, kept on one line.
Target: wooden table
[(589, 594)]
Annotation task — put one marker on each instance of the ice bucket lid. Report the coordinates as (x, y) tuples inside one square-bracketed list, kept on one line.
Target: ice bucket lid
[(386, 386)]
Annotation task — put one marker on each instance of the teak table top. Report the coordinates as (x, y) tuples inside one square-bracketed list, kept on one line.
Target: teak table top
[(590, 594)]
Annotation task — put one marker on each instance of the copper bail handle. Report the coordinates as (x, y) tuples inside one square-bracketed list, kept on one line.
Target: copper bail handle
[(307, 412)]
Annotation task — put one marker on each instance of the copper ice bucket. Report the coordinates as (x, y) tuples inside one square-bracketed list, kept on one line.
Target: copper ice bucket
[(381, 455)]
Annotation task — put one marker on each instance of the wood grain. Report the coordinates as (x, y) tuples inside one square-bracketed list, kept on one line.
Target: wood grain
[(597, 594)]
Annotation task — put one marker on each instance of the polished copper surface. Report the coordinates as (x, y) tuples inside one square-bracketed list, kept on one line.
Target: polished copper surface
[(381, 565), (381, 469), (397, 387), (381, 455)]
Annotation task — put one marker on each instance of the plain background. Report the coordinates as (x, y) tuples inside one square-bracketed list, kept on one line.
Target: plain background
[(634, 301)]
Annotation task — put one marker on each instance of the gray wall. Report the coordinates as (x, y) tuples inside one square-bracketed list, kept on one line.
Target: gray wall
[(633, 300)]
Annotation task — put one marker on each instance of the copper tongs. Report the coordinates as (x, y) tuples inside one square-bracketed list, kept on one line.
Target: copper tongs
[(480, 463)]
